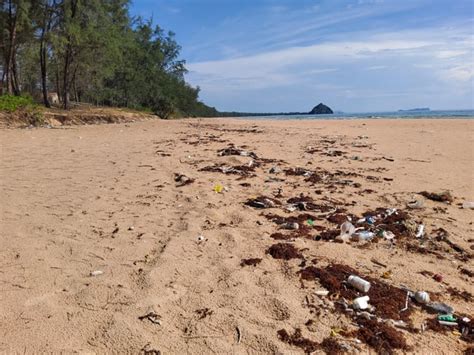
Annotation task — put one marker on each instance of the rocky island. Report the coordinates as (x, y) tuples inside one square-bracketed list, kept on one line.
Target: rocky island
[(321, 109)]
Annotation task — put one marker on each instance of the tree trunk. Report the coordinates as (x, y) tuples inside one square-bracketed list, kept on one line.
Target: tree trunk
[(66, 78), (68, 59), (10, 57), (58, 85), (43, 64)]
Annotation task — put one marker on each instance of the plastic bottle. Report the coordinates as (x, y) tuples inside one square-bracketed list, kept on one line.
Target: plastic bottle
[(365, 235), (359, 283)]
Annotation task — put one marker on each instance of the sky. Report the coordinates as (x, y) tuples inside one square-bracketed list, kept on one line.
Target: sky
[(353, 55)]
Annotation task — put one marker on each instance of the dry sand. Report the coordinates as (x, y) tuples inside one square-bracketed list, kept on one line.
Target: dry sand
[(85, 198)]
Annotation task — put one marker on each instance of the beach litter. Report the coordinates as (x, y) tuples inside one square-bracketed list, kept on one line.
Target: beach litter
[(415, 204), (218, 188), (263, 202), (274, 170), (232, 150), (182, 180), (468, 205), (422, 297), (361, 303), (347, 230), (242, 170), (358, 283), (96, 273)]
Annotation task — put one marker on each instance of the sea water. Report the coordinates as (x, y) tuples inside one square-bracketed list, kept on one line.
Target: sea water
[(450, 114)]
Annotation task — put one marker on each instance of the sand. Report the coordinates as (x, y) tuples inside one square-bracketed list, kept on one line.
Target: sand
[(84, 198)]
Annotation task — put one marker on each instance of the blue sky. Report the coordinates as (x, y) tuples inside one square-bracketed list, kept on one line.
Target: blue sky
[(354, 55)]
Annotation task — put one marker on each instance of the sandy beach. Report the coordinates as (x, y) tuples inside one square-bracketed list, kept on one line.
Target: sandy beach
[(139, 205)]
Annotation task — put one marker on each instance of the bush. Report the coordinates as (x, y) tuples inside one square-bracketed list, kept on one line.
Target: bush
[(12, 103), (35, 117), (164, 108), (23, 108)]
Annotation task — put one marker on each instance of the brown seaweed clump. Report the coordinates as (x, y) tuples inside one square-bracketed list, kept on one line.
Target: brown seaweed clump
[(382, 337), (439, 197), (250, 262), (284, 251), (332, 347), (387, 299), (296, 339)]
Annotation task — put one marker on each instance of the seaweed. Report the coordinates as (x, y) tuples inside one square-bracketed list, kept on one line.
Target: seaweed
[(296, 339), (439, 197), (382, 337), (284, 251), (250, 262)]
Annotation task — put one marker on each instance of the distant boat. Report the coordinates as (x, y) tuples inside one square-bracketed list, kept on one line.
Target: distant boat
[(416, 109)]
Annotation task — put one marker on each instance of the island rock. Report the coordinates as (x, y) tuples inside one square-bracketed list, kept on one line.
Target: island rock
[(321, 109)]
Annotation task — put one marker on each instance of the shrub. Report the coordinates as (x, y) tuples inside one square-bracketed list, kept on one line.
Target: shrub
[(12, 103)]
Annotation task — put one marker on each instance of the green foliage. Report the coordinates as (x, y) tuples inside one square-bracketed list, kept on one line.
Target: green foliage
[(11, 103), (25, 105), (97, 53)]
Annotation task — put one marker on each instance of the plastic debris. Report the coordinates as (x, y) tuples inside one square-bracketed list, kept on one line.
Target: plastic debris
[(218, 188), (321, 292), (388, 235), (359, 283), (96, 273), (420, 231), (468, 205), (347, 229), (422, 297), (231, 150), (274, 170), (370, 219), (263, 202), (415, 204), (182, 180), (365, 235), (310, 222), (361, 303), (291, 226), (200, 238), (409, 293), (447, 318), (441, 308)]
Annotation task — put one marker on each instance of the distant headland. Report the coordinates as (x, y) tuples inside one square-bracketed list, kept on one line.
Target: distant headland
[(320, 109), (416, 109)]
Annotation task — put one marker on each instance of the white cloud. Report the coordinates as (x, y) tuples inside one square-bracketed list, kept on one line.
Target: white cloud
[(450, 54), (422, 49), (376, 67), (460, 73)]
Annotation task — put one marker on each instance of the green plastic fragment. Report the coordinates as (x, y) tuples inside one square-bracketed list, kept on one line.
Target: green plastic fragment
[(447, 318)]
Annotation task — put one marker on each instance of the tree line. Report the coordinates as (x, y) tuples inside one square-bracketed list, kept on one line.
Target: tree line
[(93, 51)]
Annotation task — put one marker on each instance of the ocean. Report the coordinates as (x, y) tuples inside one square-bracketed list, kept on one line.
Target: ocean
[(450, 114)]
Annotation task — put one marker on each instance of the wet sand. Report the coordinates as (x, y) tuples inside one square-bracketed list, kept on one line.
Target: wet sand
[(104, 198)]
